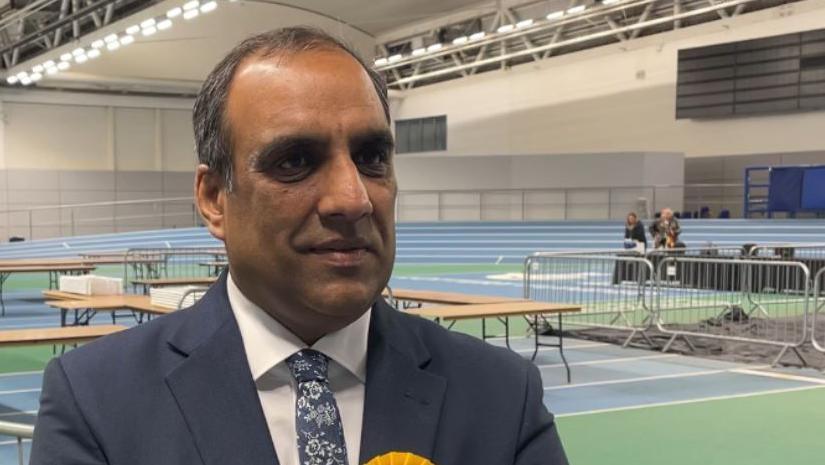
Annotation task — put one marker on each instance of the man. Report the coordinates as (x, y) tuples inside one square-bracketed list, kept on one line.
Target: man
[(665, 230), (293, 357)]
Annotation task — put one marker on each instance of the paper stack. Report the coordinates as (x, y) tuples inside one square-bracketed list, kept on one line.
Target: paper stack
[(89, 284), (170, 296)]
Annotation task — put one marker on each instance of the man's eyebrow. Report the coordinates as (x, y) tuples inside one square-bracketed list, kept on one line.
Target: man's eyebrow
[(376, 138), (285, 145)]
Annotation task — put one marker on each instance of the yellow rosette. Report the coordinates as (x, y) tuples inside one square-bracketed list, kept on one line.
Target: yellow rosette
[(399, 458)]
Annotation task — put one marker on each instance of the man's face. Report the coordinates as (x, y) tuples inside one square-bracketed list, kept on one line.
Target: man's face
[(309, 225)]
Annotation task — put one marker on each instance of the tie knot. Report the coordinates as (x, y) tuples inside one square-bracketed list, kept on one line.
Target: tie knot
[(308, 365)]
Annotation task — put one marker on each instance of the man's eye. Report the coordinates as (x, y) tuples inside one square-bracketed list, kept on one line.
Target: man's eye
[(293, 163)]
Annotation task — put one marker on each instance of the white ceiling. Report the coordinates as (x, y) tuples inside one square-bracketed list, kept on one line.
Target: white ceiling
[(180, 57), (380, 16)]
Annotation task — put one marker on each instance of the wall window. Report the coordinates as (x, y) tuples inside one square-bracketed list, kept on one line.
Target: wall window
[(421, 134)]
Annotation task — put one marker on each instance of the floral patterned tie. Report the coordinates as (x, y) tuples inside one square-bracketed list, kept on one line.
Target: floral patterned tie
[(320, 433)]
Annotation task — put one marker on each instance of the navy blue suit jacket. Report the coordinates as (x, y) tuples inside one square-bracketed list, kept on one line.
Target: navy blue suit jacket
[(178, 390)]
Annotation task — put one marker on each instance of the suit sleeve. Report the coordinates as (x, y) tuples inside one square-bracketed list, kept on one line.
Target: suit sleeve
[(539, 442), (61, 433)]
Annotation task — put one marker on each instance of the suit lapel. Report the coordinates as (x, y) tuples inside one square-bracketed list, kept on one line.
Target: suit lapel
[(214, 389), (402, 401)]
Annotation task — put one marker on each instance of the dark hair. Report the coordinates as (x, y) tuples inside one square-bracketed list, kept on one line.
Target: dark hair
[(212, 135)]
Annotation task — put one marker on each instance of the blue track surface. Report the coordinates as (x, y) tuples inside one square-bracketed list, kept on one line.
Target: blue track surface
[(463, 242)]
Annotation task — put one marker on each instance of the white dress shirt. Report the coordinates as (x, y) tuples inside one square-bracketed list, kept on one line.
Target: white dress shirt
[(268, 344)]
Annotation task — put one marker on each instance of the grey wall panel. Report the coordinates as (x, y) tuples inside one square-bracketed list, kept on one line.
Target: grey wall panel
[(768, 67), (31, 179), (721, 110), (812, 102), (87, 180), (707, 87), (179, 182), (33, 197), (767, 94), (707, 75), (704, 100), (774, 106), (783, 79), (139, 181)]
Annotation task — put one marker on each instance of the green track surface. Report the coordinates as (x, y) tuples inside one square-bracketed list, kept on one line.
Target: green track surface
[(16, 359), (773, 429)]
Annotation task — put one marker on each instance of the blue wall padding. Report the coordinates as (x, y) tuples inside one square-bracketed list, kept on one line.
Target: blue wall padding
[(813, 189), (785, 193)]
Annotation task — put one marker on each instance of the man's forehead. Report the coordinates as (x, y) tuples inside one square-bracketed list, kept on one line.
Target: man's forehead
[(285, 82)]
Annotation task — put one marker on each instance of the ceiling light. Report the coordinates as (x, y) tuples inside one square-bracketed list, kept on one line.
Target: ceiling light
[(174, 12), (49, 64), (460, 40), (51, 70), (381, 62), (78, 51), (434, 48), (36, 77), (477, 36), (394, 58), (12, 79), (165, 24), (191, 5), (113, 46), (524, 23), (93, 54), (190, 14), (419, 51), (506, 28), (207, 7), (131, 30), (63, 65), (148, 23), (98, 44), (81, 59), (610, 2), (126, 40), (37, 69), (576, 9), (555, 15), (66, 57), (25, 81), (149, 31), (22, 75), (110, 38)]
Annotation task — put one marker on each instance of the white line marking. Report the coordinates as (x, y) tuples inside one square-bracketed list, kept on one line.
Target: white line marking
[(785, 376), (643, 379), (19, 391), (20, 373), (14, 442), (12, 414), (610, 360), (689, 401)]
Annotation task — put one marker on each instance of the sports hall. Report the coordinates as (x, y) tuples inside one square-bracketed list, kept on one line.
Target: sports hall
[(526, 133)]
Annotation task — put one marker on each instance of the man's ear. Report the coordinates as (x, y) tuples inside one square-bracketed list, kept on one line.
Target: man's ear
[(210, 196)]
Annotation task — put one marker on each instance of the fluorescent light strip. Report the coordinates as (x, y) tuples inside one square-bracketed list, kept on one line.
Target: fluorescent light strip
[(477, 35), (190, 14), (126, 40), (460, 40), (434, 48), (506, 28), (165, 24), (555, 15), (149, 31), (524, 23), (174, 12), (148, 23), (207, 7), (191, 5), (132, 30), (576, 9)]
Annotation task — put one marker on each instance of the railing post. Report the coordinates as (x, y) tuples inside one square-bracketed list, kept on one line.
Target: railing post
[(31, 229), (523, 206), (71, 219)]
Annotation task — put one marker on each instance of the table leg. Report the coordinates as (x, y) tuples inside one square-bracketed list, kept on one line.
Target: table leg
[(3, 278), (561, 349)]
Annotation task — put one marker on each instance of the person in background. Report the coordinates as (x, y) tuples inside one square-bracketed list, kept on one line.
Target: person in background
[(634, 230), (665, 230)]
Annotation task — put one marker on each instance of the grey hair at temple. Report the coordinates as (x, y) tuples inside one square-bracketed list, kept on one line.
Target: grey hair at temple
[(213, 140)]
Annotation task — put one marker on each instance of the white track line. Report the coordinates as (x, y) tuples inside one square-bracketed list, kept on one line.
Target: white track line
[(777, 375), (644, 378), (19, 391), (13, 442), (20, 373), (12, 414), (690, 401), (610, 360)]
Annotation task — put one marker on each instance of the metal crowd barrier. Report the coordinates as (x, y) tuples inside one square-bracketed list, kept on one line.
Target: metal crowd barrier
[(20, 431), (737, 300), (174, 263), (818, 312), (613, 288)]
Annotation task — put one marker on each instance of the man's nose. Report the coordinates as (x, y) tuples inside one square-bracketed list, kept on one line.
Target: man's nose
[(344, 195)]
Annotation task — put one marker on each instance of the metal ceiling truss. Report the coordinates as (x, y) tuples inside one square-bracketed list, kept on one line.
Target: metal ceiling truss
[(43, 25), (530, 31)]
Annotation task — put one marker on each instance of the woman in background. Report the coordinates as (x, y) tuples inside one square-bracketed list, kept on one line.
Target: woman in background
[(634, 230)]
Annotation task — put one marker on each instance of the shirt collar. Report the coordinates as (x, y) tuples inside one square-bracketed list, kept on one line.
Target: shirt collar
[(268, 343)]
